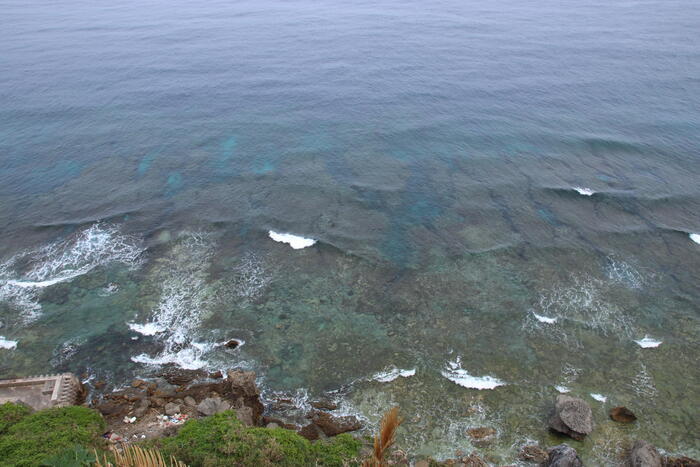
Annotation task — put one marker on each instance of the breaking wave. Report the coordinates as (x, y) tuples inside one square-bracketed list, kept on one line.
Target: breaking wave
[(294, 241), (7, 344), (393, 373), (185, 297), (24, 275), (455, 373)]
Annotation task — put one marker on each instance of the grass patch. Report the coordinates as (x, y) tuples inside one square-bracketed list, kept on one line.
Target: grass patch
[(222, 440), (47, 433)]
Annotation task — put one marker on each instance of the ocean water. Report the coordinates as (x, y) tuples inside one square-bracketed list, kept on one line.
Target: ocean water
[(503, 196)]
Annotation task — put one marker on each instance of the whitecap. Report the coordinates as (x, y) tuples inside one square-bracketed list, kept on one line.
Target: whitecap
[(562, 389), (393, 373), (584, 191), (694, 237), (648, 342), (147, 329), (455, 373), (63, 261), (7, 344), (294, 241), (544, 319), (599, 397)]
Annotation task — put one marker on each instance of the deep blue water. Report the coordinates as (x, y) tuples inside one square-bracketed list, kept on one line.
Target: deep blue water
[(432, 149)]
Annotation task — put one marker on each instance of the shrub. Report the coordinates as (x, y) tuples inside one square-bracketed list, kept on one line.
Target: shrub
[(48, 433), (222, 440), (12, 413)]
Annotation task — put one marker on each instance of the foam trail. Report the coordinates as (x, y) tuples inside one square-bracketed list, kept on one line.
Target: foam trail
[(648, 342), (185, 297), (694, 237), (562, 389), (599, 397), (393, 373), (294, 241), (147, 329), (455, 373), (544, 319), (7, 344), (584, 191)]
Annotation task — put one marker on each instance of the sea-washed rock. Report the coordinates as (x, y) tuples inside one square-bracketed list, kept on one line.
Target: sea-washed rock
[(232, 344), (473, 460), (216, 374), (533, 453), (680, 462), (572, 417), (172, 408), (324, 404), (644, 454), (622, 415), (481, 434), (332, 425), (181, 377), (562, 456), (212, 405)]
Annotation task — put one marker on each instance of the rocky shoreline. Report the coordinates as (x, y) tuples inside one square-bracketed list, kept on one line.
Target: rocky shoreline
[(158, 406)]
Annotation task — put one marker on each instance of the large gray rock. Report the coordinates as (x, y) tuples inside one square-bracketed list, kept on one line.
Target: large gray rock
[(245, 393), (171, 408), (644, 454), (245, 415), (563, 456), (572, 417), (212, 405)]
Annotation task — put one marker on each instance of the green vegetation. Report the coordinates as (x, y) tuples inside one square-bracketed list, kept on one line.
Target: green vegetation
[(222, 440), (12, 413), (31, 438)]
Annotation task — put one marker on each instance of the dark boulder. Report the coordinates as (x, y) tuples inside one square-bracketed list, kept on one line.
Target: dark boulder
[(572, 417), (244, 392), (562, 456), (324, 404), (622, 415)]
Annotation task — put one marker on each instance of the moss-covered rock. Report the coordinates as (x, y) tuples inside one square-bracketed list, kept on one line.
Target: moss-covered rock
[(46, 433), (12, 413), (223, 440)]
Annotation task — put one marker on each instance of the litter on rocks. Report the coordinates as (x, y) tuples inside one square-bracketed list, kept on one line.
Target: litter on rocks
[(177, 419), (129, 419)]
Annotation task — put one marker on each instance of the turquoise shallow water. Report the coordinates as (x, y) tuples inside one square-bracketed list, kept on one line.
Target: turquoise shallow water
[(434, 152)]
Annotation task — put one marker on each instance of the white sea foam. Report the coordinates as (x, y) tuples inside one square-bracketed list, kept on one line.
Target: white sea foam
[(455, 373), (250, 276), (584, 191), (189, 358), (26, 273), (694, 237), (624, 273), (544, 319), (147, 329), (562, 389), (185, 298), (393, 373), (7, 344), (599, 397), (294, 241), (648, 342)]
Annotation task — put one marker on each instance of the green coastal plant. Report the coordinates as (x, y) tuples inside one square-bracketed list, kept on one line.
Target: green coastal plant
[(222, 440), (12, 413), (46, 433)]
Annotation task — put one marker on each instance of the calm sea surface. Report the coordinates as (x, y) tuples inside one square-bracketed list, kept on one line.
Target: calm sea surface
[(503, 195)]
